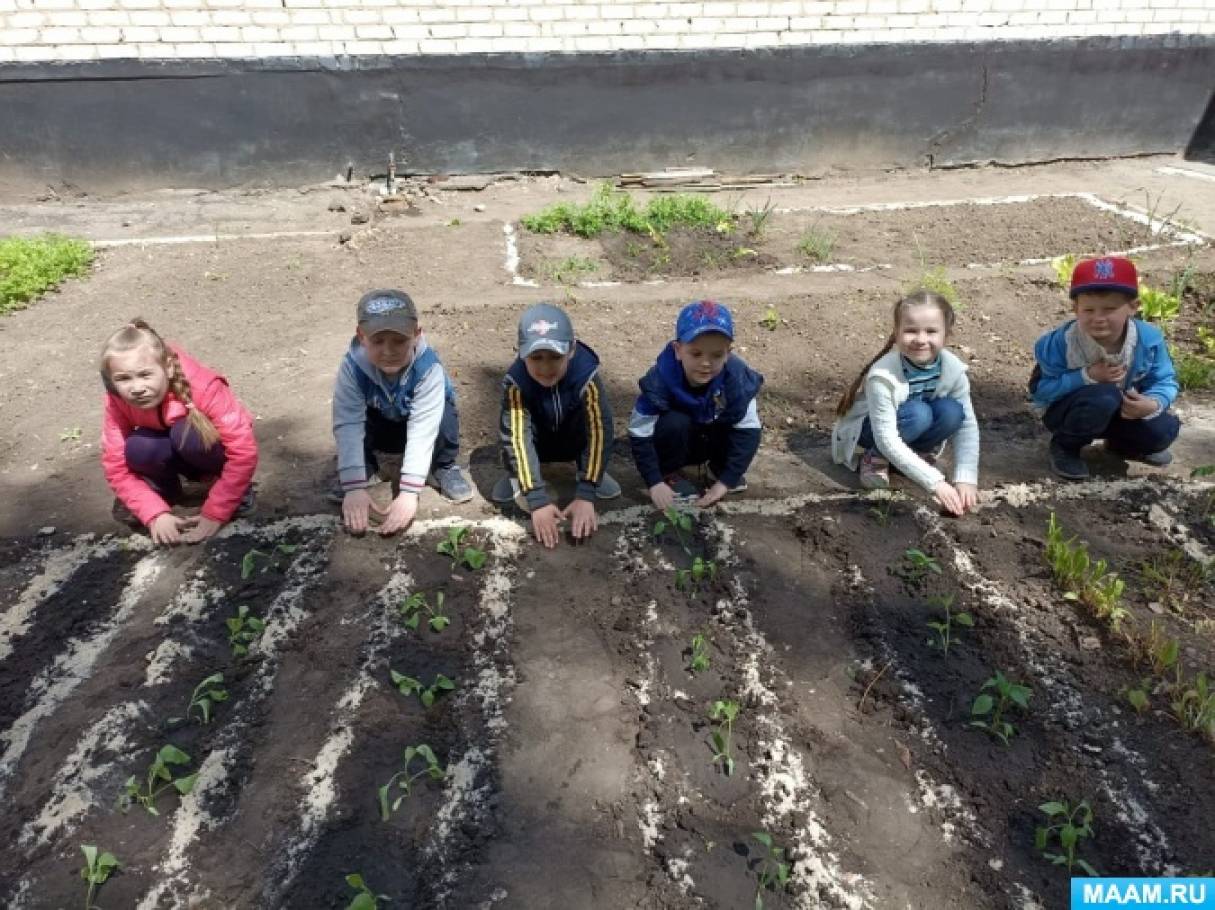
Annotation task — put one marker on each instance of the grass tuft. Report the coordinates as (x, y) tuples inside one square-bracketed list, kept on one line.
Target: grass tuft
[(610, 210), (31, 266)]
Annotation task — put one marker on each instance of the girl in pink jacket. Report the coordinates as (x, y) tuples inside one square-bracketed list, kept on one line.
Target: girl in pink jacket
[(166, 417)]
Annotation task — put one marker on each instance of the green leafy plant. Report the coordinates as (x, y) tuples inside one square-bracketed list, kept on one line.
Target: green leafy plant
[(453, 546), (407, 685), (416, 604), (698, 662), (918, 564), (1158, 306), (206, 695), (759, 218), (1194, 372), (773, 869), (1137, 695), (1083, 579), (1064, 266), (935, 279), (1069, 825), (404, 779), (943, 631), (991, 708), (365, 899), (72, 434), (680, 522), (97, 868), (31, 266), (882, 506), (723, 713), (159, 779), (248, 563), (610, 210), (243, 628), (702, 572), (817, 244), (1194, 706), (771, 319)]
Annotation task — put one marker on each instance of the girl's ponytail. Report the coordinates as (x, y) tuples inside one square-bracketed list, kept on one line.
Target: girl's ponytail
[(849, 398), (137, 333)]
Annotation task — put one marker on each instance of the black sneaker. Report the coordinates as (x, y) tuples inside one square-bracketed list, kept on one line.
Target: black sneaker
[(1068, 465)]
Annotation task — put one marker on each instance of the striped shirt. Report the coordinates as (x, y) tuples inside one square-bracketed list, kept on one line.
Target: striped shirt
[(922, 379)]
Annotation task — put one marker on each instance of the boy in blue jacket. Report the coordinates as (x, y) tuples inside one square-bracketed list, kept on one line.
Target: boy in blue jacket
[(393, 396), (1105, 374), (697, 405), (555, 408)]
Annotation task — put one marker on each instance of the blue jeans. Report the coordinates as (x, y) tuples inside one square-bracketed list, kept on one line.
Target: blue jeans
[(1093, 412), (923, 425)]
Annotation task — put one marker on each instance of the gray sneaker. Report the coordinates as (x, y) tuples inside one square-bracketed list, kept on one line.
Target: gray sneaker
[(453, 485), (1068, 465), (1155, 459), (608, 487)]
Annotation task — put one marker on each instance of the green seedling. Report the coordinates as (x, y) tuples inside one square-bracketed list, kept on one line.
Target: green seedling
[(702, 572), (248, 563), (70, 435), (935, 279), (459, 554), (918, 565), (405, 778), (883, 505), (723, 713), (699, 661), (206, 695), (570, 270), (1069, 826), (774, 868), (97, 868), (1194, 707), (365, 899), (159, 779), (992, 708), (1137, 696), (770, 319), (1176, 577), (759, 218), (1083, 579), (454, 222), (943, 630), (416, 604), (817, 244), (407, 685), (1162, 652), (243, 628), (681, 522), (1064, 266), (1157, 305)]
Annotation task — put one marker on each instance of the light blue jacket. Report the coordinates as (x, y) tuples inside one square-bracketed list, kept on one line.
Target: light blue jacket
[(1151, 371)]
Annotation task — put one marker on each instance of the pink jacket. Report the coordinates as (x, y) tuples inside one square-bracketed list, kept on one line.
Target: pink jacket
[(211, 396)]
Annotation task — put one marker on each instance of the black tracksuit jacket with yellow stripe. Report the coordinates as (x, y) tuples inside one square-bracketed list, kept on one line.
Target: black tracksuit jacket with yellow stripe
[(570, 421)]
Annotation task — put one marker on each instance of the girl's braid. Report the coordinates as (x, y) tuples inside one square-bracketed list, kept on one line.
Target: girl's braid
[(180, 386)]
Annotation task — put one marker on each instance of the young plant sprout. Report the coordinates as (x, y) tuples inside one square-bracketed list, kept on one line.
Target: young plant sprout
[(248, 564), (774, 868), (97, 868), (365, 899), (723, 713), (771, 319), (992, 708), (459, 554), (699, 660), (207, 694), (405, 777), (1083, 579), (919, 564), (407, 685), (1069, 826), (943, 631), (883, 504), (159, 779), (1137, 696), (416, 604), (680, 521), (1194, 707), (243, 628), (703, 572)]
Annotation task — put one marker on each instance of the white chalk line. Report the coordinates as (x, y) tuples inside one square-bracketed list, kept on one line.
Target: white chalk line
[(50, 688), (177, 239), (1170, 171)]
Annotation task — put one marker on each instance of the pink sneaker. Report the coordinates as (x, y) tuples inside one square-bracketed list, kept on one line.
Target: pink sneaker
[(874, 472)]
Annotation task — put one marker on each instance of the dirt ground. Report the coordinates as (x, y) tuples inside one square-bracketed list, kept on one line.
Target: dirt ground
[(578, 743)]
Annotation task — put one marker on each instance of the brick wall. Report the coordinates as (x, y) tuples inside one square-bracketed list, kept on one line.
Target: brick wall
[(62, 30)]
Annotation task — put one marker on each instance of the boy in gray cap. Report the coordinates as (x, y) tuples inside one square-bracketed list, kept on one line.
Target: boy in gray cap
[(393, 396), (554, 408)]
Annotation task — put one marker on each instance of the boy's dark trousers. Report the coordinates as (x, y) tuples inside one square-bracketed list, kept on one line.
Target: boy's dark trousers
[(388, 436), (681, 441), (1093, 412)]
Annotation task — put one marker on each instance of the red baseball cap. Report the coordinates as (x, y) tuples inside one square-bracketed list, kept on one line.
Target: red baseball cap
[(1109, 273)]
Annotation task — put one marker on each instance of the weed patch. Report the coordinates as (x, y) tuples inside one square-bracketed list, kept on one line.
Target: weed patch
[(610, 210), (31, 266)]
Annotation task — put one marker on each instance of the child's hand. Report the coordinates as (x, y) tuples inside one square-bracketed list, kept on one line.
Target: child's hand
[(712, 495), (356, 507), (969, 494), (400, 514), (544, 525), (662, 496), (166, 529), (1136, 406), (583, 520), (949, 498), (1106, 372), (201, 528)]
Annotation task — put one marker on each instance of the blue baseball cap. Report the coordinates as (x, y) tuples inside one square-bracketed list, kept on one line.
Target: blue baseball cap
[(701, 316)]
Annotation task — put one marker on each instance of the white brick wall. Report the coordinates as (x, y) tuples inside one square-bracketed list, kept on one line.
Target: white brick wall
[(49, 30)]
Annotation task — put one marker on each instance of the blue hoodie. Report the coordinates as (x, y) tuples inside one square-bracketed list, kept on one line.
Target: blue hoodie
[(728, 399)]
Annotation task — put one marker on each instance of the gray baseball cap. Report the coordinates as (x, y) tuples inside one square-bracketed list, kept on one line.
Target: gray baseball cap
[(545, 327), (387, 310)]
